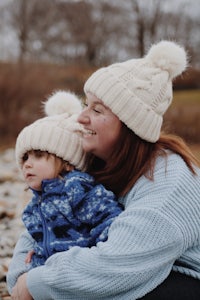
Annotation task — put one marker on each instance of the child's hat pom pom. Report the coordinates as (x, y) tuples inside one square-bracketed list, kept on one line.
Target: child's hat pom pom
[(61, 102)]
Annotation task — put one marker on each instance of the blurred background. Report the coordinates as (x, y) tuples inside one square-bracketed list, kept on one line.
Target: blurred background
[(56, 44)]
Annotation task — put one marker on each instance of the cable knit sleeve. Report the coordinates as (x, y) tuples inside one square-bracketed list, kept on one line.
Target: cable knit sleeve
[(17, 265), (121, 268), (160, 223)]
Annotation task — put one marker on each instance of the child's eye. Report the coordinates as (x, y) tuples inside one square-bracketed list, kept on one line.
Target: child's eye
[(25, 157)]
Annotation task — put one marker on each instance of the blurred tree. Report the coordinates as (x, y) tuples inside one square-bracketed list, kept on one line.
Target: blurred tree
[(84, 28), (21, 21), (157, 21), (99, 31)]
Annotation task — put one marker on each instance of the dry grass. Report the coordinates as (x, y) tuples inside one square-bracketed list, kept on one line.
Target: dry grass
[(183, 116), (187, 97), (196, 150)]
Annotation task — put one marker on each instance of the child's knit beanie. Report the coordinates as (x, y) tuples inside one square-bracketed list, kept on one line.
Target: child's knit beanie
[(59, 133), (139, 91)]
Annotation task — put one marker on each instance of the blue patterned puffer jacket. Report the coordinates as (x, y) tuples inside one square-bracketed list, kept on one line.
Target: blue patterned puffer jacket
[(70, 211)]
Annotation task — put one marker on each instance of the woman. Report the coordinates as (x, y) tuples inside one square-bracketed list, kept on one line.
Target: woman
[(153, 247)]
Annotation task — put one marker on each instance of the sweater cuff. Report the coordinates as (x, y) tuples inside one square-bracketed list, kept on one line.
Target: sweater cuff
[(36, 286)]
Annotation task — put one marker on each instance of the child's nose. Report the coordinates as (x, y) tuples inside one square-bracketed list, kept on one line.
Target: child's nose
[(28, 163)]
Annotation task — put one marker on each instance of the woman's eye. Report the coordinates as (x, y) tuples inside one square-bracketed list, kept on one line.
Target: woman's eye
[(96, 108), (97, 111)]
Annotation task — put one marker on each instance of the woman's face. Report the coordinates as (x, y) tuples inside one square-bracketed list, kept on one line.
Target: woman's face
[(102, 128)]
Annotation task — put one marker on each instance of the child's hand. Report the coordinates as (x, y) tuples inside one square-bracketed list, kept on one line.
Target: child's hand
[(29, 256)]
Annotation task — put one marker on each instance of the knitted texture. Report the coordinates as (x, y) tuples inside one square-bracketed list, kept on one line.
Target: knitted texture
[(157, 231), (72, 211), (58, 134), (139, 91)]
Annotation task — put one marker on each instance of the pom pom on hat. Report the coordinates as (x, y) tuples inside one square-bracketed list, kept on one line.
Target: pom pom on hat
[(168, 56), (58, 133), (62, 102), (139, 91)]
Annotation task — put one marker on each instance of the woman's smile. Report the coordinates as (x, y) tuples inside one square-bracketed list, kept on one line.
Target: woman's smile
[(102, 128)]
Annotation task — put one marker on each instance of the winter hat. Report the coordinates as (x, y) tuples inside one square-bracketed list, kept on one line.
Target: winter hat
[(59, 133), (139, 91)]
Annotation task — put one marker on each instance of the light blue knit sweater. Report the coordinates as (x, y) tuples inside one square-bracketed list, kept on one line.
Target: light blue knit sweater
[(158, 230)]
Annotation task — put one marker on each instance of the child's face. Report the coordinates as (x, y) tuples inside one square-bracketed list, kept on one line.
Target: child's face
[(37, 166)]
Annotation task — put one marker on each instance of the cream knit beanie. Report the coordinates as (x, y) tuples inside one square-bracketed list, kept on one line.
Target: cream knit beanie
[(139, 91), (59, 133)]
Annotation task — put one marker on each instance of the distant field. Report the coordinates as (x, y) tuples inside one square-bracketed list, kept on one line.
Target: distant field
[(186, 107), (196, 150), (183, 116), (190, 99), (187, 97)]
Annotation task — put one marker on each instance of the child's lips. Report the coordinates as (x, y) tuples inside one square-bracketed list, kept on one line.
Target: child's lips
[(29, 175)]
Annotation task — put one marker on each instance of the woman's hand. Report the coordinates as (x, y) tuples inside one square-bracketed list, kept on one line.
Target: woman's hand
[(20, 291)]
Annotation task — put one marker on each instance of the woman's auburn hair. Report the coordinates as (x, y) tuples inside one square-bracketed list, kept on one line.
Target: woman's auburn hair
[(134, 157)]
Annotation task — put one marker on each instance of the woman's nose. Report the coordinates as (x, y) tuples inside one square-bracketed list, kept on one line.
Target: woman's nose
[(83, 118)]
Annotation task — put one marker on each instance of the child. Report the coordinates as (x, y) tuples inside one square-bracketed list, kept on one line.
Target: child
[(68, 208)]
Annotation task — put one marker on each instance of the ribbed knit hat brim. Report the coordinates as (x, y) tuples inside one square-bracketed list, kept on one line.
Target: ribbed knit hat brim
[(51, 138)]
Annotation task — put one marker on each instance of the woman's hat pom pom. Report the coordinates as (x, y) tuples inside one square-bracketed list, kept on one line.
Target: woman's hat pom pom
[(168, 56)]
